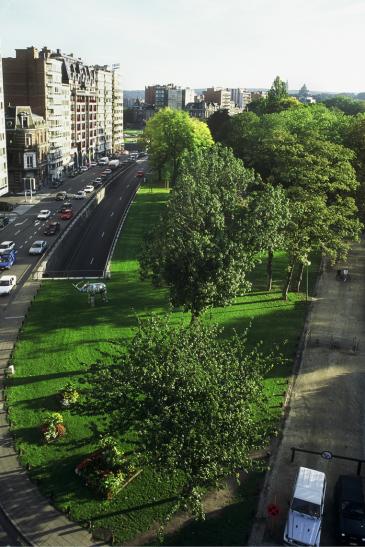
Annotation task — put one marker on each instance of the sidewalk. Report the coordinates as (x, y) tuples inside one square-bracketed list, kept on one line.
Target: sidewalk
[(327, 409), (36, 520)]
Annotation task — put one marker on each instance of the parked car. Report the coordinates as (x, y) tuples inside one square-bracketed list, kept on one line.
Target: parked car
[(7, 259), (64, 206), (350, 509), (93, 164), (98, 184), (6, 246), (107, 171), (84, 168), (51, 228), (38, 247), (66, 214), (89, 188), (44, 214), (80, 195), (304, 521), (61, 196), (98, 179), (140, 174), (7, 284)]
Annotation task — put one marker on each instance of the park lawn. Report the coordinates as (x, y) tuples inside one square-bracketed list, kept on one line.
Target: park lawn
[(63, 335)]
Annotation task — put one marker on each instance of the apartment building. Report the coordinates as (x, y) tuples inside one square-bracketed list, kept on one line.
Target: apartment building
[(218, 95), (240, 97), (168, 95), (104, 108), (33, 78), (27, 148), (117, 114), (3, 161)]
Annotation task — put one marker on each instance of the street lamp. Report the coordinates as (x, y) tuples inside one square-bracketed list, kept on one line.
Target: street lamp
[(306, 263)]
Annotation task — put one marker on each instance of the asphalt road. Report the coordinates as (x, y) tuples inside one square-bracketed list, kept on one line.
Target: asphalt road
[(327, 407), (89, 256)]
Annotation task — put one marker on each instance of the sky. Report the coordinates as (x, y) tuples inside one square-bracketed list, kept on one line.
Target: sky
[(200, 43)]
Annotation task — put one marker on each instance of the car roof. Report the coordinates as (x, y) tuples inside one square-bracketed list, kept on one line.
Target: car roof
[(6, 243), (309, 485), (351, 488), (39, 242)]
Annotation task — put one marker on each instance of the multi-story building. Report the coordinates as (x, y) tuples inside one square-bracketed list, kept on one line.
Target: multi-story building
[(220, 96), (169, 95), (104, 109), (34, 78), (240, 97), (3, 162), (117, 111), (27, 148)]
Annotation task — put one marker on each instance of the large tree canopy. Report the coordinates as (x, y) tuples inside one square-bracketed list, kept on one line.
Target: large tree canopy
[(193, 403), (170, 133), (205, 243)]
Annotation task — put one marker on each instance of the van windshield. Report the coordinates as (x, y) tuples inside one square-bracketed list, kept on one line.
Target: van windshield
[(306, 507)]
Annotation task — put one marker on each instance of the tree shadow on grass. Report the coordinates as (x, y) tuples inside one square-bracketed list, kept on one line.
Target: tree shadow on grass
[(16, 381)]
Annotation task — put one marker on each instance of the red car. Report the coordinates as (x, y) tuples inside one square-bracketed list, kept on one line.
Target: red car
[(66, 214), (140, 174)]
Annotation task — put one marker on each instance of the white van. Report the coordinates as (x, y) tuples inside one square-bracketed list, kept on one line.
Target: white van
[(103, 161), (304, 523)]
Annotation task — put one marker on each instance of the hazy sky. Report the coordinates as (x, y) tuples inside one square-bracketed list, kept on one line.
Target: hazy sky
[(230, 43)]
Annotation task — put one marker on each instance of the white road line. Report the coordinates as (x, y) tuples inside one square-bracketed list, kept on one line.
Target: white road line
[(20, 223), (102, 235), (25, 242), (17, 232), (120, 198), (21, 246), (92, 260), (112, 213)]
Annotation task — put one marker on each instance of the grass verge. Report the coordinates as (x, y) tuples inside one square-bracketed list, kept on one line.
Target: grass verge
[(63, 335)]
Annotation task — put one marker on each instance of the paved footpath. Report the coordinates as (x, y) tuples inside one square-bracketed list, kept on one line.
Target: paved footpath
[(38, 522), (327, 407)]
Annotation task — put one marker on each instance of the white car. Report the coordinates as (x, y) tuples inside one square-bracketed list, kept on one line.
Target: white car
[(44, 214), (7, 283), (89, 188), (93, 164), (6, 246), (80, 195), (38, 247), (107, 171), (84, 168)]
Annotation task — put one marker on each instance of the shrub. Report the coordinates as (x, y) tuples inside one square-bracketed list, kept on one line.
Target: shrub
[(53, 427), (69, 395)]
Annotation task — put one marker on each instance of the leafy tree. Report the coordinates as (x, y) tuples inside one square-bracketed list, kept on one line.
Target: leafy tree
[(277, 92), (205, 244), (270, 215), (218, 124), (193, 403), (170, 133), (303, 91), (346, 104), (354, 138)]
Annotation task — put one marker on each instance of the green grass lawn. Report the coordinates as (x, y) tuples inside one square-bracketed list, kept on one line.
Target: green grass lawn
[(132, 135), (63, 335)]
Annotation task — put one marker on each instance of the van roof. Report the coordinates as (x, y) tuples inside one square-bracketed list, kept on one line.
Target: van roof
[(309, 485)]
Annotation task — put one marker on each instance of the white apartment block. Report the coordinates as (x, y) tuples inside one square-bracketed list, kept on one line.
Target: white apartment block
[(104, 111), (58, 118), (3, 162), (117, 142)]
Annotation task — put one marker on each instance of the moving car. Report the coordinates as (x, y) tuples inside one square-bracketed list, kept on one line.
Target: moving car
[(3, 221), (350, 509), (89, 188), (6, 246), (7, 259), (84, 168), (103, 161), (61, 196), (304, 522), (140, 174), (107, 171), (64, 206), (38, 247), (80, 195), (7, 283), (98, 184), (93, 164), (44, 214), (66, 214), (98, 179), (51, 228)]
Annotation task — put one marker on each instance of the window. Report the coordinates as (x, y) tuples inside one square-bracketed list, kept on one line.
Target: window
[(29, 162), (28, 140)]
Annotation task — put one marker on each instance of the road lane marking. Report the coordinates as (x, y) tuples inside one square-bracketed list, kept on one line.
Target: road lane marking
[(21, 246), (112, 214), (20, 223), (17, 232), (102, 235), (26, 241), (15, 317), (120, 198), (92, 260)]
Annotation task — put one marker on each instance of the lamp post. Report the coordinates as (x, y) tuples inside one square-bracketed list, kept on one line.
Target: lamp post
[(307, 263)]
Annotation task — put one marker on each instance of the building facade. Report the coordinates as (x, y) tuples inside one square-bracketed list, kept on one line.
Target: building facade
[(218, 95), (240, 97), (170, 95), (3, 160), (117, 111), (201, 109), (27, 148), (34, 78)]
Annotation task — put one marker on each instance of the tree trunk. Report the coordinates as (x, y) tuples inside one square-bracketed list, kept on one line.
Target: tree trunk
[(270, 255), (300, 276), (288, 280)]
